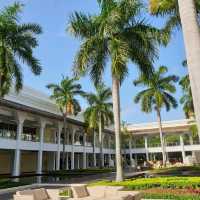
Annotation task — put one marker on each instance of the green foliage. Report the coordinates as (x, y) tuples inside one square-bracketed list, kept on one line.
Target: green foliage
[(139, 142), (157, 93), (153, 141), (177, 171), (66, 192), (160, 182), (169, 9), (17, 41), (172, 138), (186, 100), (170, 196), (117, 33), (9, 184), (99, 106), (65, 95)]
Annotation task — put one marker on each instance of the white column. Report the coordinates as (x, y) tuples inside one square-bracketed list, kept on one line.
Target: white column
[(191, 143), (94, 153), (16, 168), (102, 158), (130, 150), (40, 152), (67, 163), (60, 126), (109, 154), (182, 147), (191, 139), (72, 153), (146, 147), (84, 152)]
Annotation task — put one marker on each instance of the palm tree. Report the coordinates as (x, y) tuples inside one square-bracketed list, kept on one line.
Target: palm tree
[(186, 14), (157, 94), (65, 94), (186, 99), (17, 42), (119, 35), (99, 113)]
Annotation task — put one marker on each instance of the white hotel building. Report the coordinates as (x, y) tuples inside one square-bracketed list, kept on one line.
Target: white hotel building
[(31, 138)]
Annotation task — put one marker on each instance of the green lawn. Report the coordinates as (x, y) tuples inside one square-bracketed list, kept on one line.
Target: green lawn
[(9, 184), (161, 188), (177, 171)]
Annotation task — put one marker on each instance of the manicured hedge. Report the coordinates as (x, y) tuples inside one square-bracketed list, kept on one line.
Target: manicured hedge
[(9, 184), (161, 182)]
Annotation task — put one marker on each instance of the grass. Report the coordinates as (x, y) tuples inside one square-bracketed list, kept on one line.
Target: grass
[(177, 171), (163, 182), (170, 196), (177, 188), (9, 184)]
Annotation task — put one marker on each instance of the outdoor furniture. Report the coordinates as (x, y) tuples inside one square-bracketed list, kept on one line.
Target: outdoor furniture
[(79, 191), (37, 194)]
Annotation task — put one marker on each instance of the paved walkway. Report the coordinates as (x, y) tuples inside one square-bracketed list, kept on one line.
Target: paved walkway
[(7, 194)]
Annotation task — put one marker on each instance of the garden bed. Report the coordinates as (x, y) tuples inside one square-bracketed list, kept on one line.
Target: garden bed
[(177, 188), (177, 171)]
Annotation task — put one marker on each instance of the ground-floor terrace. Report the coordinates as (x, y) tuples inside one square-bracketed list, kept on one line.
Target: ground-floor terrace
[(32, 142), (25, 156)]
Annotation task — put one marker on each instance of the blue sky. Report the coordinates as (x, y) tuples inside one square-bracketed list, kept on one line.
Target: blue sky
[(57, 49)]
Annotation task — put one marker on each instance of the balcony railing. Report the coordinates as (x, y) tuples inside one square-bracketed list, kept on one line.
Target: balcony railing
[(154, 145), (30, 137), (170, 144), (8, 134)]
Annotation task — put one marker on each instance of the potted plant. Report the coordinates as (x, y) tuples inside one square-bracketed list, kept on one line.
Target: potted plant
[(65, 193)]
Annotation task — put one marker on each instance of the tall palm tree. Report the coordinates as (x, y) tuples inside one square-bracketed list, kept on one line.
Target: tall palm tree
[(99, 113), (65, 94), (157, 94), (116, 34), (17, 41), (187, 14), (186, 99)]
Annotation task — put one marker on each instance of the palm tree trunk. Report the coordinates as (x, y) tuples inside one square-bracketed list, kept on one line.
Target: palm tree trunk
[(116, 112), (93, 145), (64, 141), (101, 143), (191, 34), (161, 136)]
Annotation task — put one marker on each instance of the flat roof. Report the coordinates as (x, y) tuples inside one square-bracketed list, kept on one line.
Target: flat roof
[(174, 126)]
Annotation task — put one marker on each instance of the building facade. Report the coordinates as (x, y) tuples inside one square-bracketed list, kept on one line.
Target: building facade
[(31, 138), (179, 138)]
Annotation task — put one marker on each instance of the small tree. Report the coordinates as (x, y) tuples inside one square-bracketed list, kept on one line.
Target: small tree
[(157, 94), (65, 95), (99, 113), (186, 100)]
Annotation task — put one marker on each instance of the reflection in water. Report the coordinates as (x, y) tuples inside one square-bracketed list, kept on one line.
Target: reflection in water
[(40, 179)]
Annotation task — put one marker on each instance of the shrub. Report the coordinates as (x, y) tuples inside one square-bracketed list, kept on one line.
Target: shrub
[(170, 196), (161, 182)]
